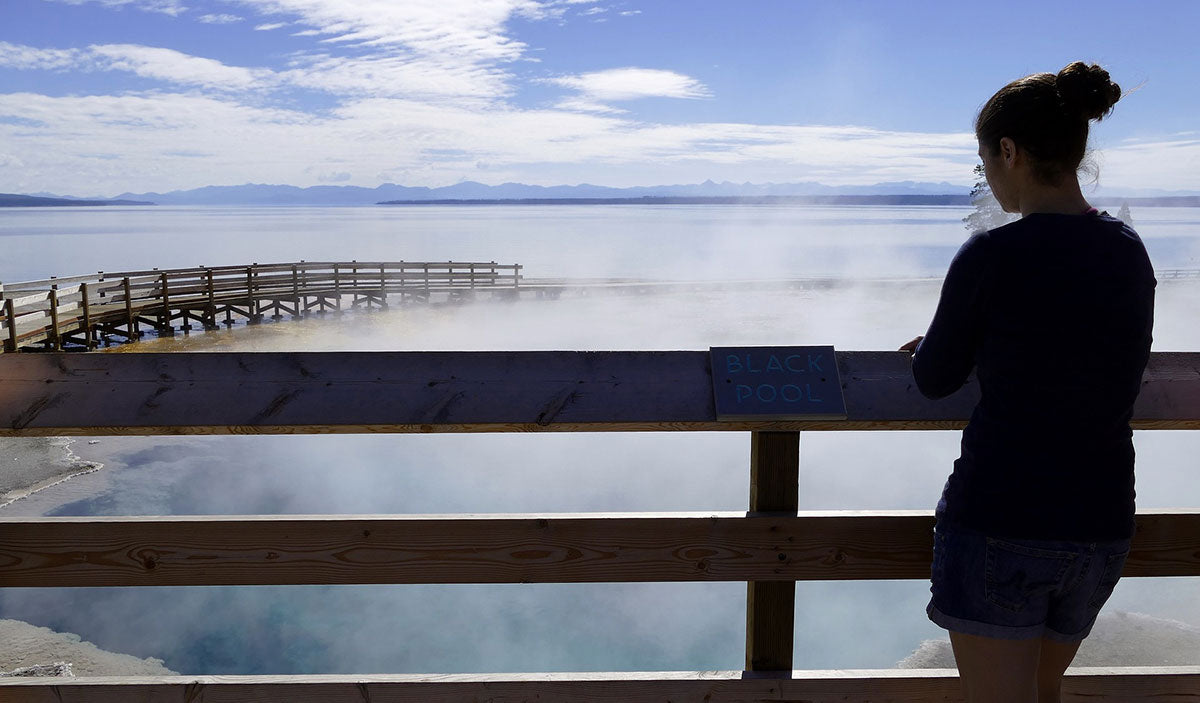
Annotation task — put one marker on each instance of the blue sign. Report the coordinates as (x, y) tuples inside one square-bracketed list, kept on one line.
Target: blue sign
[(776, 383)]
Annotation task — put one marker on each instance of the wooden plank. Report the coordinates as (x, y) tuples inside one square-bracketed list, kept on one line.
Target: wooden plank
[(108, 551), (262, 267), (55, 337), (137, 282), (165, 324), (10, 321), (130, 318), (1126, 684), (318, 392), (87, 317), (32, 299), (546, 548), (49, 282), (771, 605)]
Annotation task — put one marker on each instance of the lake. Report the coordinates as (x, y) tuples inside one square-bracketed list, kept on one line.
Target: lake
[(579, 627)]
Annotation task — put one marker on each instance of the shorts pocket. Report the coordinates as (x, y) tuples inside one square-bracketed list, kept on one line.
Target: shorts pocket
[(1016, 573), (1108, 580)]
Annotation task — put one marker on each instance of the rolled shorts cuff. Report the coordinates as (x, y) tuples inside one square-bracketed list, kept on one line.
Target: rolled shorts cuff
[(1077, 637), (1004, 632)]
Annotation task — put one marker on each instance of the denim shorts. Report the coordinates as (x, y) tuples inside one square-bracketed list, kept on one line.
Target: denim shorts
[(1021, 588)]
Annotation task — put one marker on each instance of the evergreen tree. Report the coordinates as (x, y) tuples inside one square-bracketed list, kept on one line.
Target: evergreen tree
[(988, 214), (1124, 216)]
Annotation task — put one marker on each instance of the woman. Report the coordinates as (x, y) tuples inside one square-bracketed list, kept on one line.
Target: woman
[(1054, 313)]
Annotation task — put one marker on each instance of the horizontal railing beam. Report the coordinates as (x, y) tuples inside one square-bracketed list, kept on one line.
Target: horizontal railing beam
[(352, 392), (1125, 684), (587, 548)]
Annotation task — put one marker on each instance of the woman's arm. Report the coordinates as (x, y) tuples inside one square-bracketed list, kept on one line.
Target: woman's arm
[(946, 354)]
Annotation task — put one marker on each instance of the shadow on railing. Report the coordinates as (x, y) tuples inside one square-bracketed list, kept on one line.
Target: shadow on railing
[(84, 311), (771, 547)]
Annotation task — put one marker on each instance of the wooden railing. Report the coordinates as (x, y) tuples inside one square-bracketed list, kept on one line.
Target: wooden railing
[(80, 310), (1174, 274), (770, 547)]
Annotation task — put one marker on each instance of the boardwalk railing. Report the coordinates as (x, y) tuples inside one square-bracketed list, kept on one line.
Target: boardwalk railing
[(770, 547), (81, 310)]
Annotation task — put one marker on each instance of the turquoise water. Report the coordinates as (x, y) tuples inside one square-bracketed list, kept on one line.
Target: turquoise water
[(544, 627)]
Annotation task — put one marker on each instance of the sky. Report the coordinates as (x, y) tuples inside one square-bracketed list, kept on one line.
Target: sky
[(100, 97)]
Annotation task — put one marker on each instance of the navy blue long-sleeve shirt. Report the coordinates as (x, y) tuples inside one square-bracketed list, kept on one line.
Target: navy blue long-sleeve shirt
[(1054, 313)]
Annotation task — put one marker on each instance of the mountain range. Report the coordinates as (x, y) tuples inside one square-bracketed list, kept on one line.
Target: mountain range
[(263, 194)]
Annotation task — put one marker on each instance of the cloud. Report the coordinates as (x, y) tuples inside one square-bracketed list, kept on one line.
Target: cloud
[(146, 61), (376, 75), (1167, 163), (432, 77), (219, 19), (461, 46), (28, 57), (166, 7), (269, 26), (578, 104), (552, 9), (176, 67), (629, 83), (395, 136), (461, 42), (380, 75)]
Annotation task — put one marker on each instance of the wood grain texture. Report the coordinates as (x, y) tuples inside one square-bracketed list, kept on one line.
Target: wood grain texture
[(771, 605), (635, 547), (1129, 685), (318, 392)]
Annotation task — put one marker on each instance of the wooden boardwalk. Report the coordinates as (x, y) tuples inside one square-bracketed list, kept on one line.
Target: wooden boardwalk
[(770, 547), (83, 311)]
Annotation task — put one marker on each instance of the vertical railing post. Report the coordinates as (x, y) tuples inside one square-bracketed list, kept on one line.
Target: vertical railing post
[(517, 276), (337, 290), (382, 288), (771, 605), (131, 324), (427, 282), (354, 285), (87, 317), (210, 312), (251, 302), (10, 318), (295, 292), (56, 341), (164, 324)]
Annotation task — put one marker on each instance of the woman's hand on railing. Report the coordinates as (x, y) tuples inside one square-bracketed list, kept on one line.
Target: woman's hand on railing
[(911, 347)]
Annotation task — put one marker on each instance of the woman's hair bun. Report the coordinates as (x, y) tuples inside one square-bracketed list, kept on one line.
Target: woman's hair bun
[(1086, 90)]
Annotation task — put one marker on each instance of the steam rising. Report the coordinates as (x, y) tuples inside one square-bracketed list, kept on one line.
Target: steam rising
[(365, 629)]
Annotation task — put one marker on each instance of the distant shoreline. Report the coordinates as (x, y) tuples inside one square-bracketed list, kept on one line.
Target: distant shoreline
[(943, 200), (707, 200), (14, 200)]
